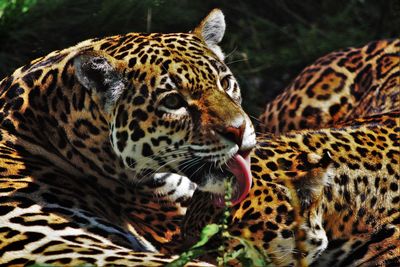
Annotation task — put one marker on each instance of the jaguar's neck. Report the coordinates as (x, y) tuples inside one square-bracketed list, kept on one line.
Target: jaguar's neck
[(59, 118)]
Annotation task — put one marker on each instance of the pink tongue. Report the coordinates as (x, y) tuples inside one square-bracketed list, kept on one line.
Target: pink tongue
[(240, 167)]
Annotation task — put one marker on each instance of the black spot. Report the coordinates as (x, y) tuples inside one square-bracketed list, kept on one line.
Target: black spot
[(8, 125), (336, 243), (343, 179), (79, 143), (31, 188), (362, 82), (14, 91), (394, 187), (19, 245), (140, 114), (362, 151), (122, 118), (268, 210), (256, 227), (334, 109), (269, 236), (290, 218), (252, 216), (338, 207), (138, 100), (246, 204), (257, 192), (372, 167), (282, 209), (272, 166), (371, 47), (88, 126), (268, 199), (347, 195), (165, 66), (20, 262), (286, 233), (144, 92), (146, 150), (271, 226), (361, 212), (256, 168), (5, 209), (137, 134), (31, 77), (143, 59), (122, 138), (17, 103), (284, 163), (142, 77), (45, 246)]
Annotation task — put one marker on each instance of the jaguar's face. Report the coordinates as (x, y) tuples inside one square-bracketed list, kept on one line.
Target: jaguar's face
[(183, 117), (178, 108)]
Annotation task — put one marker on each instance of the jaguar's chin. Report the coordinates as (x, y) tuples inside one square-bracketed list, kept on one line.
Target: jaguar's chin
[(212, 179)]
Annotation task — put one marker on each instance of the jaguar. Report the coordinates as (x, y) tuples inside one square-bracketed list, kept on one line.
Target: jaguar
[(84, 129), (325, 169)]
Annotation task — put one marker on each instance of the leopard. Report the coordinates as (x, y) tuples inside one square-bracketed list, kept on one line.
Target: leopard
[(325, 170), (87, 131)]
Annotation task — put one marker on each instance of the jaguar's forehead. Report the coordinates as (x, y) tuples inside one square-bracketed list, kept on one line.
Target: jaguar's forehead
[(181, 60), (184, 48)]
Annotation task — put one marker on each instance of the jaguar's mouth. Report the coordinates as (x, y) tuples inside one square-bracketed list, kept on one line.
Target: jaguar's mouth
[(211, 179), (239, 167)]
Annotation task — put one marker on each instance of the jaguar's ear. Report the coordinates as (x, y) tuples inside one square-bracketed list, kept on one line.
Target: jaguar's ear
[(211, 30), (100, 75)]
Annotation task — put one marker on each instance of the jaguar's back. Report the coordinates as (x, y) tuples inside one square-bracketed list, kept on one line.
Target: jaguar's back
[(340, 86)]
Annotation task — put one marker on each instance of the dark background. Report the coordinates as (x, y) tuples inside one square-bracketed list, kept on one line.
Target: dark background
[(267, 42)]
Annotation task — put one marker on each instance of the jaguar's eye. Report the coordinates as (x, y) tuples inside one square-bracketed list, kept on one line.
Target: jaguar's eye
[(173, 101), (225, 82)]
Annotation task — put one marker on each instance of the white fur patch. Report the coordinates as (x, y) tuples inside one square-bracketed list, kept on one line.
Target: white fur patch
[(212, 30), (214, 185), (175, 187), (249, 136), (213, 27)]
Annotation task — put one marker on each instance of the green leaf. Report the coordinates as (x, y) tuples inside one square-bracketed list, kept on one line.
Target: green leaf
[(196, 250), (187, 256), (208, 231), (249, 255)]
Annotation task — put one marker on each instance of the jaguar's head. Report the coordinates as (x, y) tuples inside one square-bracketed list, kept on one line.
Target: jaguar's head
[(173, 105)]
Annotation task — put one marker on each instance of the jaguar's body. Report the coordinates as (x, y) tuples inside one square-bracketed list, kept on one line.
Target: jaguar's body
[(83, 129), (340, 86), (329, 195)]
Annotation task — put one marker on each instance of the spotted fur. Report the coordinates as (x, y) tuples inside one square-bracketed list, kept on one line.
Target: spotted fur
[(84, 129), (340, 86), (327, 196)]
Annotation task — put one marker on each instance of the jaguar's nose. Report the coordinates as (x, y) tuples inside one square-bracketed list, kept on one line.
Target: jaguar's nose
[(233, 134)]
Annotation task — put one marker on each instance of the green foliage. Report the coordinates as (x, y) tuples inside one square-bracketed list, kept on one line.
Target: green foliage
[(267, 41), (248, 255), (50, 265), (198, 249), (8, 8)]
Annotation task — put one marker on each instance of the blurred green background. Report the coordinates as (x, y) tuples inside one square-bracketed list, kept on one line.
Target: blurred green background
[(267, 42)]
